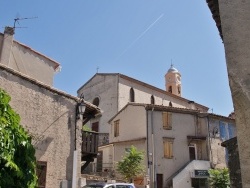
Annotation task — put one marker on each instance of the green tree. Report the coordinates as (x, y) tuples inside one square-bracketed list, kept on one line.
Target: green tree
[(17, 155), (131, 165), (219, 178)]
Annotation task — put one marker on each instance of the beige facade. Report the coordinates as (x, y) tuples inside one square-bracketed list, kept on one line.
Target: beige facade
[(173, 81), (232, 19), (114, 91), (49, 116), (175, 146), (25, 60)]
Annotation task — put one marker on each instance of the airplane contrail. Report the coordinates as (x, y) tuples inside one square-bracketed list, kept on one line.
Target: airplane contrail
[(141, 35)]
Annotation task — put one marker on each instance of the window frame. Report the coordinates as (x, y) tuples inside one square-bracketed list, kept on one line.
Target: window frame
[(42, 170), (116, 128), (131, 95), (170, 89), (168, 152), (152, 99), (96, 101), (167, 120)]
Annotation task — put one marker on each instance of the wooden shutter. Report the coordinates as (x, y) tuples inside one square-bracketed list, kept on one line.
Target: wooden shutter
[(167, 120), (168, 149)]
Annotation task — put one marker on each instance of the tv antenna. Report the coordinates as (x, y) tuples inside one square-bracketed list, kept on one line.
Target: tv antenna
[(16, 20)]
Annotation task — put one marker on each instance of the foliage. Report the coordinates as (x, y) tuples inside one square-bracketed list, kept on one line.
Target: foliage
[(86, 128), (131, 165), (17, 155), (219, 178)]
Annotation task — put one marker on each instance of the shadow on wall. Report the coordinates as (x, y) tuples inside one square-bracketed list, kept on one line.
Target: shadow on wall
[(42, 145), (69, 163)]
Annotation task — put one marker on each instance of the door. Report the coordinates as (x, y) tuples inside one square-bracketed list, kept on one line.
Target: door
[(99, 161), (159, 180), (192, 153)]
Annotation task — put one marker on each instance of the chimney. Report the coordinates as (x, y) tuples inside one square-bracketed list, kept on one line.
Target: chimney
[(7, 45)]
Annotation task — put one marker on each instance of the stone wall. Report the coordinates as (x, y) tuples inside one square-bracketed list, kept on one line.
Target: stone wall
[(233, 162), (235, 16), (25, 60), (49, 116)]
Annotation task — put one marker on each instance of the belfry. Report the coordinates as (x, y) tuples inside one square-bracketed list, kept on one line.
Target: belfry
[(173, 81)]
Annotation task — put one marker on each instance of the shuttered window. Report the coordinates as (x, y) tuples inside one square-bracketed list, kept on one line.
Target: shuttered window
[(167, 120), (116, 128), (168, 148)]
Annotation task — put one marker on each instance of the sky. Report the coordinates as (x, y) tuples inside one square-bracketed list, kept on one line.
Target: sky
[(138, 38)]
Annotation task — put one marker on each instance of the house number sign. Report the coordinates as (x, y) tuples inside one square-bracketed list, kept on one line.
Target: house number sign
[(201, 173)]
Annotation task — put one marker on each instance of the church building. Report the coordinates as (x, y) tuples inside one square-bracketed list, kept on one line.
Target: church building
[(112, 91)]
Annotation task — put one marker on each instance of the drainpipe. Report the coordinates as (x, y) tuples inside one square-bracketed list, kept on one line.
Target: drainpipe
[(153, 149), (74, 175), (209, 143), (148, 165)]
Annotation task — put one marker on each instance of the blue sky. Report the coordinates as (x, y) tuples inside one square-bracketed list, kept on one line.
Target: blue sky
[(138, 38)]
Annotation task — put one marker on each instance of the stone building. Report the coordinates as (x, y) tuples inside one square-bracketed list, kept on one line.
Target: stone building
[(111, 92), (25, 60), (50, 116), (232, 20)]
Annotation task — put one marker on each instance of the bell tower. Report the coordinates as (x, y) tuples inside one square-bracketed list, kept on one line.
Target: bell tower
[(173, 81)]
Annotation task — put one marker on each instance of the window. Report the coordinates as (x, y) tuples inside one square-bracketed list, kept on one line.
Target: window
[(132, 95), (111, 186), (167, 120), (179, 89), (170, 89), (116, 128), (152, 100), (96, 101), (127, 150), (199, 182), (95, 126), (168, 148), (124, 186), (41, 170)]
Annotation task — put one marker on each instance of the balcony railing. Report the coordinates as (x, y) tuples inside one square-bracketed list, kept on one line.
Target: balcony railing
[(89, 145)]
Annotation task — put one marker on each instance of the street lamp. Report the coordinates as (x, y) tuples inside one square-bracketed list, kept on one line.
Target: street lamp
[(81, 109)]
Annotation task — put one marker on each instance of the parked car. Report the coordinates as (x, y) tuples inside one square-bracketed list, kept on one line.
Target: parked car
[(109, 185)]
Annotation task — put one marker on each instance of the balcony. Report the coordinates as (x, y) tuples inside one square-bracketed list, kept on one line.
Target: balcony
[(89, 147)]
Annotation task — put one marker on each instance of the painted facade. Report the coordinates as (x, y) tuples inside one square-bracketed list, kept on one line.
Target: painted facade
[(176, 155), (114, 91)]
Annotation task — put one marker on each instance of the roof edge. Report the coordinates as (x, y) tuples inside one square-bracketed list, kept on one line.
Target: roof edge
[(47, 87), (57, 65)]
